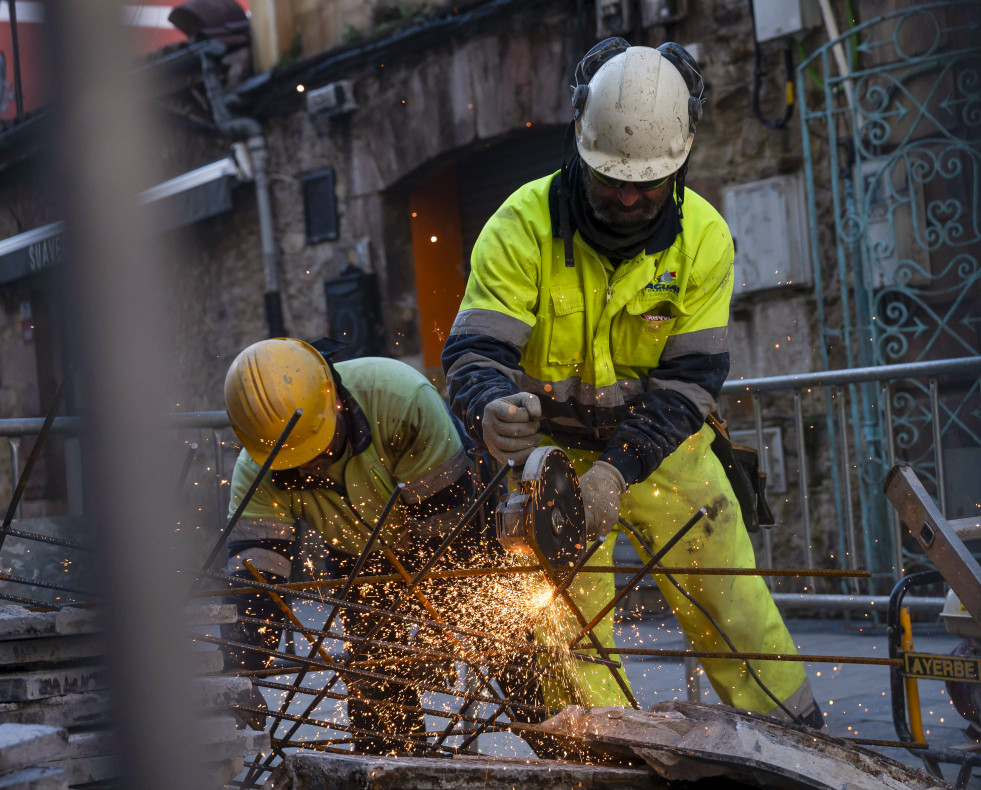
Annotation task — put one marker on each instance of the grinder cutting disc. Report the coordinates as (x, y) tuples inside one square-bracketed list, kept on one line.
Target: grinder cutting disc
[(556, 521)]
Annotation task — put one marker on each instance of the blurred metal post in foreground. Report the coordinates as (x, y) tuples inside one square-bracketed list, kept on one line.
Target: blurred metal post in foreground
[(116, 296)]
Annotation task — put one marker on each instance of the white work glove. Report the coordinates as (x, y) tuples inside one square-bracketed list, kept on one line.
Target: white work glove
[(601, 485), (510, 427)]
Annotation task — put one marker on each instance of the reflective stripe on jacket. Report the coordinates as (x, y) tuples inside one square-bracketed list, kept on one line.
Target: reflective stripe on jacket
[(627, 359)]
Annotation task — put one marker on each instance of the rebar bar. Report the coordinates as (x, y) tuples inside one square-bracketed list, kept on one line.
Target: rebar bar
[(192, 451), (670, 544), (367, 609), (577, 613), (640, 651), (358, 565), (447, 541), (38, 538), (465, 573), (333, 666), (32, 458), (266, 465), (31, 602), (6, 577)]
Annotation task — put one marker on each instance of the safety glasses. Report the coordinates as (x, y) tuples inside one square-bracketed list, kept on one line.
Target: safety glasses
[(640, 186)]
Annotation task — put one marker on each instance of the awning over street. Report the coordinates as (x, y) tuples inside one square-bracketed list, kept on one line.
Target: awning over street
[(184, 200)]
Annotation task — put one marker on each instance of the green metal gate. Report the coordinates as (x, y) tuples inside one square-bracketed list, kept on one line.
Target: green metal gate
[(892, 152)]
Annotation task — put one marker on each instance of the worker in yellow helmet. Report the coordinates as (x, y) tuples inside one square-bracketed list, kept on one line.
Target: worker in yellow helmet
[(595, 318), (368, 425)]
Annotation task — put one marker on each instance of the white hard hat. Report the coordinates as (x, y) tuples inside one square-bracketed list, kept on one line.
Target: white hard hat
[(636, 122)]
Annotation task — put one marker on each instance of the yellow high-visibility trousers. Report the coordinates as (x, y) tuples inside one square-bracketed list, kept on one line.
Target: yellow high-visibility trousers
[(690, 478)]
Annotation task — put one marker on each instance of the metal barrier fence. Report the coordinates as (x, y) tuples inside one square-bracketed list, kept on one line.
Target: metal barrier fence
[(810, 406), (831, 395)]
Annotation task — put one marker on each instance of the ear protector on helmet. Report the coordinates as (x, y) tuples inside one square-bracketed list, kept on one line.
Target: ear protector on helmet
[(674, 53), (682, 60), (608, 48)]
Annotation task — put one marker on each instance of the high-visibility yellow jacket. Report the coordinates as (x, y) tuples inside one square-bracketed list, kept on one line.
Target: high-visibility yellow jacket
[(626, 359)]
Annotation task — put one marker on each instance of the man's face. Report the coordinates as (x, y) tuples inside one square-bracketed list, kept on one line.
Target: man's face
[(623, 203), (318, 466)]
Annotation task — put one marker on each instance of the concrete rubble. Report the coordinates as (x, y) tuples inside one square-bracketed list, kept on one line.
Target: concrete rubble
[(23, 749), (683, 741), (54, 702)]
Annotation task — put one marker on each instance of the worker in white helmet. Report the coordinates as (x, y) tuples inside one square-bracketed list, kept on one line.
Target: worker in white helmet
[(368, 425), (595, 318)]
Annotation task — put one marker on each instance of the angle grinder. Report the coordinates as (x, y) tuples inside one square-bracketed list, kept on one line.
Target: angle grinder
[(545, 517)]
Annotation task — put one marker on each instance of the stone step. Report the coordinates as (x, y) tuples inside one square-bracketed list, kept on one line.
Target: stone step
[(37, 652), (27, 745), (37, 778), (71, 710), (44, 683)]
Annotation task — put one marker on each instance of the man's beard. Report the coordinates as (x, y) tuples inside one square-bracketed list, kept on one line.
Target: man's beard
[(610, 211)]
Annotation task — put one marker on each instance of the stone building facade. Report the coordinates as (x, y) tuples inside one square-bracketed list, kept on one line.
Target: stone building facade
[(433, 116)]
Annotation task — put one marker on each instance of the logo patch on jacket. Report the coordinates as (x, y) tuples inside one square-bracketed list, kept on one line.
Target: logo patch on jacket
[(663, 283), (656, 317)]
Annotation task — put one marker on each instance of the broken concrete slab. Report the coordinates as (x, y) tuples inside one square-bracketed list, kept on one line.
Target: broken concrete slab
[(16, 622), (684, 741), (43, 683), (71, 710), (313, 771), (43, 651), (217, 729), (85, 770), (208, 662), (220, 772), (91, 743), (222, 692), (38, 778), (243, 742), (27, 745), (70, 622), (211, 614)]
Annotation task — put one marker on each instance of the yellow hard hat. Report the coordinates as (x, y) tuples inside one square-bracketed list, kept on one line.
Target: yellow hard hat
[(266, 384)]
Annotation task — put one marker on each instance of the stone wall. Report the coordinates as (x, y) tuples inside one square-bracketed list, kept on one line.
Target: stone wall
[(419, 110)]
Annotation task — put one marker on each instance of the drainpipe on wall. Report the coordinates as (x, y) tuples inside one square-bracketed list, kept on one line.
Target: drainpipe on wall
[(250, 130)]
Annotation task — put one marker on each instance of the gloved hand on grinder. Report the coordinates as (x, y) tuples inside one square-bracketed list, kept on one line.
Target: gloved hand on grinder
[(510, 427), (601, 485)]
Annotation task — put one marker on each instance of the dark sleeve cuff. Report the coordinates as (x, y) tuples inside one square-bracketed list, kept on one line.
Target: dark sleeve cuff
[(626, 461)]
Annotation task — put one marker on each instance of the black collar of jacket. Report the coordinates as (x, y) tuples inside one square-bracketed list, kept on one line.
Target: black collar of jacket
[(664, 230), (358, 427)]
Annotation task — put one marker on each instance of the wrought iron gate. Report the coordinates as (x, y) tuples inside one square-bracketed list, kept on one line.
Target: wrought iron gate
[(892, 150)]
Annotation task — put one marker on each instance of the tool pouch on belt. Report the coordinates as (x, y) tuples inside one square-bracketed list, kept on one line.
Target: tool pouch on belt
[(742, 465)]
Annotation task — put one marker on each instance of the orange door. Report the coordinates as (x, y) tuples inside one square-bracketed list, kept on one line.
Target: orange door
[(437, 250)]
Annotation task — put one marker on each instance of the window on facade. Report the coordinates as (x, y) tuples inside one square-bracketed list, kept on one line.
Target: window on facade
[(320, 206)]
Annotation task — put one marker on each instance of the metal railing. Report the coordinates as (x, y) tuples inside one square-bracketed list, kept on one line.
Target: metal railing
[(849, 460), (828, 393)]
